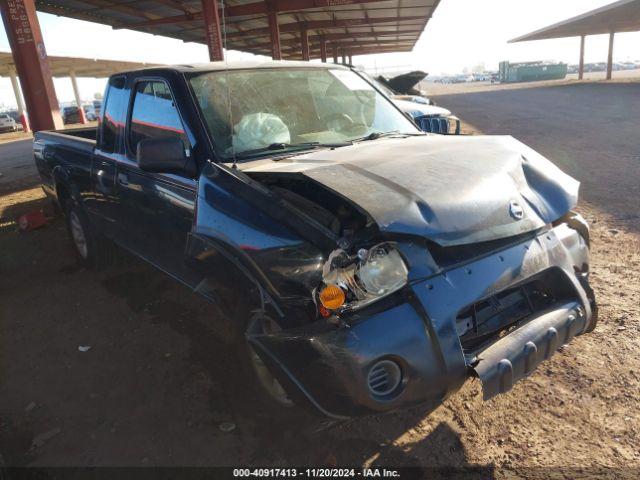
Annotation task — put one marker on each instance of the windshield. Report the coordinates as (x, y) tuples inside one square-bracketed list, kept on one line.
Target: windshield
[(249, 110)]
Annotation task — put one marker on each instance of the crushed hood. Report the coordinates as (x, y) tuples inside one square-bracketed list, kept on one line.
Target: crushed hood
[(451, 190)]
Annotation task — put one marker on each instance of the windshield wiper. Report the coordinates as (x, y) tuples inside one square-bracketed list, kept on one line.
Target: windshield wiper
[(291, 146), (377, 135)]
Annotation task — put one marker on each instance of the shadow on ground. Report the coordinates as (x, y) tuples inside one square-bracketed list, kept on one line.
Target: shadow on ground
[(159, 379)]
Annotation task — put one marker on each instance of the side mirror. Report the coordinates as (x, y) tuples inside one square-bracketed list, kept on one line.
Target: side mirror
[(164, 155)]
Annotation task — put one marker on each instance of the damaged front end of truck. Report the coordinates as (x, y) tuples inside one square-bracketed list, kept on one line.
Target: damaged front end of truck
[(391, 271)]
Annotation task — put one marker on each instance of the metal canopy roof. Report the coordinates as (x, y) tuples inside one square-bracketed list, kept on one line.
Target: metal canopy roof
[(355, 26), (82, 67), (621, 16)]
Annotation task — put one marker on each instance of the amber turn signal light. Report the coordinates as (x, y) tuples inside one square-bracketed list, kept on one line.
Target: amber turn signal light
[(332, 297)]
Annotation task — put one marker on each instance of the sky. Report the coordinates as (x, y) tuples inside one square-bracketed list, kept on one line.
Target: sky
[(461, 35)]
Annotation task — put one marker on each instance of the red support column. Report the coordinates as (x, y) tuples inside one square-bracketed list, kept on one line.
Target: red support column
[(32, 63), (212, 29), (323, 50), (304, 41), (274, 30)]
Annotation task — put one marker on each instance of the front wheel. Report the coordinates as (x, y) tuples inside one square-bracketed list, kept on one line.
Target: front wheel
[(267, 382), (275, 403)]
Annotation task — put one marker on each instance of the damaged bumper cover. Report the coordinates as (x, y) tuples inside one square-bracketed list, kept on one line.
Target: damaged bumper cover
[(517, 355), (336, 367)]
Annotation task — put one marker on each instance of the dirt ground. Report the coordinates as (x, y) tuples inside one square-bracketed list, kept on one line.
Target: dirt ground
[(157, 382)]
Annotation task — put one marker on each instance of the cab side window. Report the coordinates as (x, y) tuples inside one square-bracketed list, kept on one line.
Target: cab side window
[(154, 115), (112, 125)]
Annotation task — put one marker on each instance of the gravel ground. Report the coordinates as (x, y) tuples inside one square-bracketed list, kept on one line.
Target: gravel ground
[(157, 382)]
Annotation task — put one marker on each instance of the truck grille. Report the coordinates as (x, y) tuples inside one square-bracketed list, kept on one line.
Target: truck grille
[(490, 318), (433, 124)]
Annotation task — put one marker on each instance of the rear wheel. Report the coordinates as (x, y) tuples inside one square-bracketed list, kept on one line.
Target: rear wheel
[(92, 250)]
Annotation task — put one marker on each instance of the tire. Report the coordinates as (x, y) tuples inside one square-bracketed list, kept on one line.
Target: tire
[(264, 382), (91, 249), (275, 399)]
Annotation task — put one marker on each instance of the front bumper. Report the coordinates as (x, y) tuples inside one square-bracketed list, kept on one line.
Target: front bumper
[(329, 365)]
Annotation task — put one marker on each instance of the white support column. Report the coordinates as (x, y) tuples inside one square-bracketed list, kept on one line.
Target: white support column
[(610, 56), (16, 91), (76, 93), (581, 65)]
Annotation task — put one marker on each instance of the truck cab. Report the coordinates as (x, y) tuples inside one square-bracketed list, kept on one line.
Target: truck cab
[(366, 265)]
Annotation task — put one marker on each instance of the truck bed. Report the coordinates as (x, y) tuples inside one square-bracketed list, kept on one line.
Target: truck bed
[(68, 149), (85, 133)]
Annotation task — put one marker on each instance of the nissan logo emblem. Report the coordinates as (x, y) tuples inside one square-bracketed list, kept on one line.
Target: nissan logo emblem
[(515, 210)]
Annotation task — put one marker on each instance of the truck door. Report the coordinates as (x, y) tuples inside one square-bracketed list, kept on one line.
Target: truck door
[(158, 209), (102, 204)]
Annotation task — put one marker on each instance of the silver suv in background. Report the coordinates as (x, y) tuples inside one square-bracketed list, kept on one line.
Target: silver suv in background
[(7, 123), (429, 117)]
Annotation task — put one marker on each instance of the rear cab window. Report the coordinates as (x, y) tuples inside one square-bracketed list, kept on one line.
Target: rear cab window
[(154, 115), (112, 123)]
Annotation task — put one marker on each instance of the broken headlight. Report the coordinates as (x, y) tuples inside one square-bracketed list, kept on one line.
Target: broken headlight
[(352, 281)]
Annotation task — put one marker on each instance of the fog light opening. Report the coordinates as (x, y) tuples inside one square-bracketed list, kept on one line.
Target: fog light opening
[(384, 378)]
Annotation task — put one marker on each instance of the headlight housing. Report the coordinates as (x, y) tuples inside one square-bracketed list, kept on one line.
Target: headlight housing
[(454, 125), (364, 278)]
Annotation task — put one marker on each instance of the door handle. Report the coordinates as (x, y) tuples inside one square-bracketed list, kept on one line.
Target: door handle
[(123, 180), (100, 177)]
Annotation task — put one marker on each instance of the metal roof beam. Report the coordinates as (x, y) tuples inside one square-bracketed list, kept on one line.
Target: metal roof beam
[(620, 16), (101, 5), (256, 8), (177, 5), (330, 37), (352, 45), (322, 24), (238, 37), (359, 51)]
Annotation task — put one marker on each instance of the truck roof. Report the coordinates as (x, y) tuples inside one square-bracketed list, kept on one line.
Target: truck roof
[(238, 65)]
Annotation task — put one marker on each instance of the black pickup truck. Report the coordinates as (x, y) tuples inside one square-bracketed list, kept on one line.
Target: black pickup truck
[(368, 266)]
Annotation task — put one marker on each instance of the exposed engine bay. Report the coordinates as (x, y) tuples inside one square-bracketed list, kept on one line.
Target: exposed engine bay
[(339, 216)]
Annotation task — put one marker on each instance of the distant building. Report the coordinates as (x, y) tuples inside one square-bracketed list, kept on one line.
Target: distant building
[(531, 71)]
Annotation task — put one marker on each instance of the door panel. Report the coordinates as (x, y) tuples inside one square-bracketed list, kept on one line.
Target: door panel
[(156, 210), (103, 204), (158, 213)]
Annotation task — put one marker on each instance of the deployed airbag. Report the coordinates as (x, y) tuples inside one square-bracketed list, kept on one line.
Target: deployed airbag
[(258, 130)]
